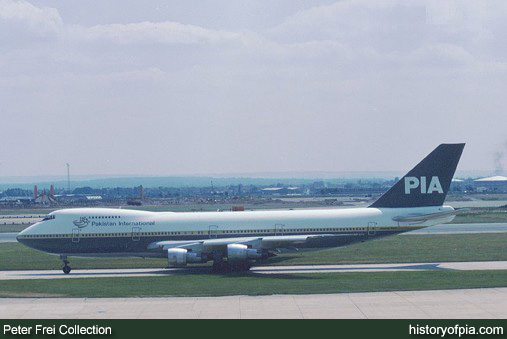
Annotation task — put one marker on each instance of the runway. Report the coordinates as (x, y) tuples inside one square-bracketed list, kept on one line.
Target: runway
[(486, 303), (150, 272), (403, 267), (8, 237), (461, 229)]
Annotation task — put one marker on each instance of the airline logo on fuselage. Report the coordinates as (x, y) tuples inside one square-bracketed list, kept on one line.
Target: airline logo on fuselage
[(82, 222), (411, 183)]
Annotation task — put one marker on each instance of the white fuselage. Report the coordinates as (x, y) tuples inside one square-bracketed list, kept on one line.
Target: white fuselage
[(102, 231)]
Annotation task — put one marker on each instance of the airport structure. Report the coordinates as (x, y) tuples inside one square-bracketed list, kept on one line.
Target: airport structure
[(493, 184), (232, 194)]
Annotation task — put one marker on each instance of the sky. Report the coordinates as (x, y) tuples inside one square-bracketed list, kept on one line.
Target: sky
[(117, 87)]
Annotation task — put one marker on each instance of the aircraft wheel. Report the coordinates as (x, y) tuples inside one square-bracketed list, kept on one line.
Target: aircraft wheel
[(66, 269), (220, 267), (241, 266)]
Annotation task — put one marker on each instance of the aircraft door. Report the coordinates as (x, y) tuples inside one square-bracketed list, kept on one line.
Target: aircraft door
[(75, 235), (136, 233), (371, 228), (213, 231), (279, 229)]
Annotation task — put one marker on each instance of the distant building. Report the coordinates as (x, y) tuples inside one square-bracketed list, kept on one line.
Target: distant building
[(45, 199), (16, 200), (78, 198), (493, 184), (282, 191), (457, 185)]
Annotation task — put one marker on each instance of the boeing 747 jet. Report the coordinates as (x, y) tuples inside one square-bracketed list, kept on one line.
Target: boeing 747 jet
[(232, 240)]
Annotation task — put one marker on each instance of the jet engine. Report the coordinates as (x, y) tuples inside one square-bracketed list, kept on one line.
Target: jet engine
[(238, 252), (180, 257)]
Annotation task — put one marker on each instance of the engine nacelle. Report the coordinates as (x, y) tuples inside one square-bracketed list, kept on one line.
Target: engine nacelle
[(237, 252), (180, 257)]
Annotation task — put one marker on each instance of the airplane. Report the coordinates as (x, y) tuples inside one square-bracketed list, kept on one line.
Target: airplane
[(233, 240)]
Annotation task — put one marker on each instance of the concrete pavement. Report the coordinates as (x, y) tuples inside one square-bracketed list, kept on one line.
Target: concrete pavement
[(8, 237), (152, 272), (461, 229), (402, 267), (465, 303)]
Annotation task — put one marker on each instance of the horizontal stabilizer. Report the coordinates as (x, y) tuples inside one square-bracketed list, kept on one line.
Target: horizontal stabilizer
[(426, 217)]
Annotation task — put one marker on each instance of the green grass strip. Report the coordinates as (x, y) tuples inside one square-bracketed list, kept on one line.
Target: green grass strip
[(252, 284)]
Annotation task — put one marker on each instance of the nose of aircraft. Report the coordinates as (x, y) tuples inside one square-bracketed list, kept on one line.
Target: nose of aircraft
[(21, 235)]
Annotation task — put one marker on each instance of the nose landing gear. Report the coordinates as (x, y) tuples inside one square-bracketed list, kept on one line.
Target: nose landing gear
[(220, 266), (66, 268)]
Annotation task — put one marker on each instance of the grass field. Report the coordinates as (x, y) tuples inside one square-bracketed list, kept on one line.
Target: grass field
[(14, 256), (409, 248), (481, 216), (12, 228), (251, 284)]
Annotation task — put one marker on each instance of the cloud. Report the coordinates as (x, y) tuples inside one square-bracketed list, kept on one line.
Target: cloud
[(353, 74), (396, 25), (21, 20), (155, 33), (33, 20)]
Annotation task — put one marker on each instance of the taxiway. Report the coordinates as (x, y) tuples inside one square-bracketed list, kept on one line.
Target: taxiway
[(150, 272), (8, 237), (461, 304)]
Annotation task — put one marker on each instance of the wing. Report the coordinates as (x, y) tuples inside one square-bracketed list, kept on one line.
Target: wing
[(260, 243)]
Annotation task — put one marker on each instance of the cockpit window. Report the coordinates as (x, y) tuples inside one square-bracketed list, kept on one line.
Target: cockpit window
[(48, 217)]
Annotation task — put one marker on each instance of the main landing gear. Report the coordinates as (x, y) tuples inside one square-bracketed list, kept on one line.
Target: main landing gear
[(66, 268), (229, 267)]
